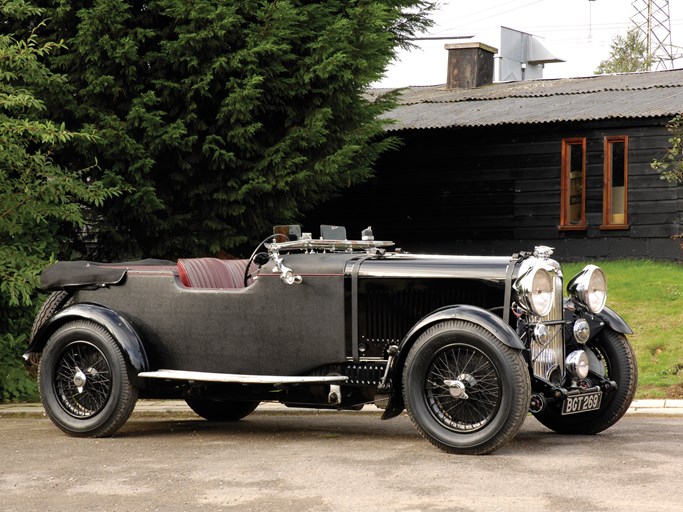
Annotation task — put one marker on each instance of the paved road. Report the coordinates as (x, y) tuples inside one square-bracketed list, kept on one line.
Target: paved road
[(280, 462)]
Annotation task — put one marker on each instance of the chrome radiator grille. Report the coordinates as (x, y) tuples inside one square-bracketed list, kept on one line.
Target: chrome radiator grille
[(548, 359)]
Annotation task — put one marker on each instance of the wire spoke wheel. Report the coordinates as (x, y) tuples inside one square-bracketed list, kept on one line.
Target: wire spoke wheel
[(464, 389), (480, 399), (83, 379)]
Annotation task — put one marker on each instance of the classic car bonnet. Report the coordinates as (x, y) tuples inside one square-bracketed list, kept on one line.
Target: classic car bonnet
[(428, 266)]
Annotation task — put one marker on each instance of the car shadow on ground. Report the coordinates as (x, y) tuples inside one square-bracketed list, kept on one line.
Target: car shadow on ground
[(369, 429), (326, 424)]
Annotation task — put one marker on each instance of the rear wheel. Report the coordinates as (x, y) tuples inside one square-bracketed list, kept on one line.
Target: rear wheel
[(465, 391), (612, 358), (84, 382), (221, 410)]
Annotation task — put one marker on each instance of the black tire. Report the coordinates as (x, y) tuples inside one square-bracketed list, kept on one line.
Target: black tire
[(84, 382), (496, 382), (54, 302), (221, 410), (618, 363)]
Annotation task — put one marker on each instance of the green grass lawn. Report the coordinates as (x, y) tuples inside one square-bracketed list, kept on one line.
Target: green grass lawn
[(649, 296)]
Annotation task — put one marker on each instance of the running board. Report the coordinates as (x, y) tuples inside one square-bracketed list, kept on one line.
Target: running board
[(241, 379)]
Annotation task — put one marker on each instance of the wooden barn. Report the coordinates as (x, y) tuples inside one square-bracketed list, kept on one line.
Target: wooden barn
[(498, 168)]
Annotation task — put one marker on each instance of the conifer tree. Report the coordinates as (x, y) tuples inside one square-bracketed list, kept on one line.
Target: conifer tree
[(219, 119)]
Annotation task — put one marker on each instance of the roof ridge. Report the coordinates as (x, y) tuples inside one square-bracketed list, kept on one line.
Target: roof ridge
[(549, 94), (481, 94)]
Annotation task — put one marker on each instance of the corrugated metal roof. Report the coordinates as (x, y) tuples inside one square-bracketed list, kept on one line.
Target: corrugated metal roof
[(622, 96)]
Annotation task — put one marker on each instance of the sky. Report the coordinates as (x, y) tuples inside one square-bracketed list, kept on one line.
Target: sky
[(579, 32)]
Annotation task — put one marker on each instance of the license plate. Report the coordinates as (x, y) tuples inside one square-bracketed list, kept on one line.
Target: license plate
[(582, 403)]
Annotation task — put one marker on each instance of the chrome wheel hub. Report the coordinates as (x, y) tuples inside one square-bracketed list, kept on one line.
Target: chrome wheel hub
[(456, 389), (79, 380)]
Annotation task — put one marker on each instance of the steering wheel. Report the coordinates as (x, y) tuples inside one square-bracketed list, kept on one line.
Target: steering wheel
[(260, 258)]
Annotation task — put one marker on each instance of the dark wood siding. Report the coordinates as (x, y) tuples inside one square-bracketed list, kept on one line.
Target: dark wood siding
[(498, 189)]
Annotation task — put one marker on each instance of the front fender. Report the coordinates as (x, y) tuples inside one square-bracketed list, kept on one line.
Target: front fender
[(489, 321), (121, 329), (611, 318)]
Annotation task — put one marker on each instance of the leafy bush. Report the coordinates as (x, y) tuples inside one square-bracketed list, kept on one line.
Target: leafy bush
[(37, 196), (671, 164)]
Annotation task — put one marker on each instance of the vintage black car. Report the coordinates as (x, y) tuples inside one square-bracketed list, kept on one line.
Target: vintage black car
[(467, 345)]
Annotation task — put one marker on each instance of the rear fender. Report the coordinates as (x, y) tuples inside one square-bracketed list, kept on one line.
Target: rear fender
[(489, 321), (121, 329)]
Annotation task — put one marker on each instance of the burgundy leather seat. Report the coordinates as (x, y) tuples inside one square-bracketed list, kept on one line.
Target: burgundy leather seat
[(211, 272)]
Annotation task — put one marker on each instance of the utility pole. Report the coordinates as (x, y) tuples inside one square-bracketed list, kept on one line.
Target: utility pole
[(652, 21)]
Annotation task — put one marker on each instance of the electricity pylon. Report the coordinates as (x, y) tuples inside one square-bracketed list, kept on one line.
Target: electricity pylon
[(653, 23)]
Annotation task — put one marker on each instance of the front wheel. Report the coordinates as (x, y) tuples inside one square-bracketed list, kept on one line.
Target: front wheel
[(220, 409), (465, 391), (84, 382), (611, 357)]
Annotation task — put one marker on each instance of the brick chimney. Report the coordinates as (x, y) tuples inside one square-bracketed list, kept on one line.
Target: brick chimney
[(469, 65)]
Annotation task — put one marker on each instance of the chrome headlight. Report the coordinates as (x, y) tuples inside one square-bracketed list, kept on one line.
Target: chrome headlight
[(577, 364), (535, 291), (589, 288), (582, 331)]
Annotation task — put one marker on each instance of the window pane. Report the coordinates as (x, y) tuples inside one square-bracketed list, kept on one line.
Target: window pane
[(617, 211), (575, 184)]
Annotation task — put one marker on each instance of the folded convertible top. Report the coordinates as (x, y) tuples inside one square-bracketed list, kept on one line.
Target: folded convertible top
[(65, 275)]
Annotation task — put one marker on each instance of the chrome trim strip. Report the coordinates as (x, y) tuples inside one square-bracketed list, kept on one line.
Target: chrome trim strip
[(242, 379), (330, 245), (485, 269)]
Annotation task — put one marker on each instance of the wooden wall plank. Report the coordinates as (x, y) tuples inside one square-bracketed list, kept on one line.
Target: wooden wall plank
[(499, 183)]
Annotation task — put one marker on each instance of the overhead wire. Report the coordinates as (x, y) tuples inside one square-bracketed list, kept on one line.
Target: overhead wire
[(598, 35), (496, 7)]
